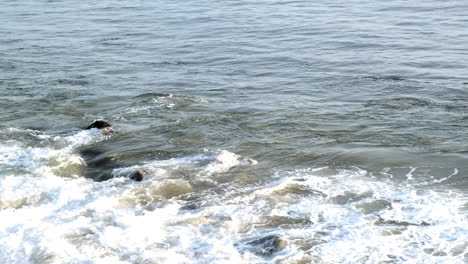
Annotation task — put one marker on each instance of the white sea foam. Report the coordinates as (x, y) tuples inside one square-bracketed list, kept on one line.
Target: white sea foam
[(321, 215), (224, 161), (202, 165), (56, 157)]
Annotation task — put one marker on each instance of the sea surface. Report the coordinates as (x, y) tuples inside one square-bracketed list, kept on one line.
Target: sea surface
[(269, 131)]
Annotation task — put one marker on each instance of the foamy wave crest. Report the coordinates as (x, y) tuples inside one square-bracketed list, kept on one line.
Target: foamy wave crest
[(200, 165), (75, 220), (224, 161), (368, 221), (47, 154), (83, 137), (320, 215)]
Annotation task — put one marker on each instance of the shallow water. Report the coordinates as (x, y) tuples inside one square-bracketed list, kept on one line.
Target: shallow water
[(269, 131)]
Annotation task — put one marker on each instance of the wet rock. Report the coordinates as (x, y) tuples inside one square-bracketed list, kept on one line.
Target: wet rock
[(99, 124), (382, 221), (138, 175), (267, 246)]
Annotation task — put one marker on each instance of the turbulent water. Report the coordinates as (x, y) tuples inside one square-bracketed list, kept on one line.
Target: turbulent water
[(269, 131)]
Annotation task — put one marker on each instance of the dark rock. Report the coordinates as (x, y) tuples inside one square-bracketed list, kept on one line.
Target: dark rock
[(267, 246), (99, 124), (138, 175)]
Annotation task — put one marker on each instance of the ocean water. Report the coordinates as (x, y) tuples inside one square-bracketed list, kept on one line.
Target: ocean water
[(269, 131)]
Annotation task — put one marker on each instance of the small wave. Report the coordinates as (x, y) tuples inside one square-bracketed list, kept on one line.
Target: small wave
[(224, 161), (199, 165), (403, 103), (8, 133), (152, 103), (385, 78), (79, 81), (170, 100), (417, 176), (300, 215), (305, 215)]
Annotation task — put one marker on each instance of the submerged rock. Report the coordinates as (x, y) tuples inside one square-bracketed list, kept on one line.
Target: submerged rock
[(99, 124), (374, 206), (349, 197), (99, 164), (138, 175), (101, 159), (267, 246)]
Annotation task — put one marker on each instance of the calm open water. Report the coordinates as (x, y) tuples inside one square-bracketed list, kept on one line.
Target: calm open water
[(270, 131)]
